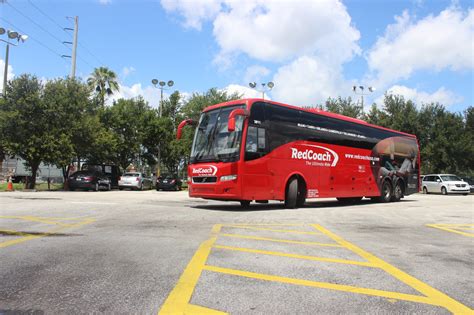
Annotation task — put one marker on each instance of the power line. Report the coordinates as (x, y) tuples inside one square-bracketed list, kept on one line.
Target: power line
[(34, 22), (34, 39), (57, 24)]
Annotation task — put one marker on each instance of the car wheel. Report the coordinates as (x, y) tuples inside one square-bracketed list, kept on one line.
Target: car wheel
[(109, 187), (444, 191), (291, 197), (96, 187), (425, 190), (386, 194)]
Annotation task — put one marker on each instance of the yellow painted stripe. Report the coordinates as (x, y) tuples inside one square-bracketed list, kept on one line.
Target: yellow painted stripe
[(273, 230), (29, 237), (16, 233), (36, 219), (278, 240), (323, 285), (450, 230), (435, 297), (281, 254), (178, 300)]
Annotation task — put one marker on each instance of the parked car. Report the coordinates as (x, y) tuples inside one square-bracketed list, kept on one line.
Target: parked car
[(444, 184), (168, 182), (111, 171), (470, 182), (89, 180), (135, 180)]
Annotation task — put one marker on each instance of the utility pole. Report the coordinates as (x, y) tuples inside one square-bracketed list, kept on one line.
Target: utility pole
[(74, 47), (5, 73)]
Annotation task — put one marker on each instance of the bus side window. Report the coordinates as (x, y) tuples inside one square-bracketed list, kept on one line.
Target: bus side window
[(256, 144)]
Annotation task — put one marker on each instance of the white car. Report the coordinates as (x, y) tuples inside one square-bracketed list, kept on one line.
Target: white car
[(134, 180), (444, 184)]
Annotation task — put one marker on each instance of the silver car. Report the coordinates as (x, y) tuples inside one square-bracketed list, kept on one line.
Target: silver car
[(135, 180), (444, 184)]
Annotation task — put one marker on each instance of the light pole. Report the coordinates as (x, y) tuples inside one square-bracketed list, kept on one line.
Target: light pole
[(11, 35), (160, 85), (362, 92), (265, 87)]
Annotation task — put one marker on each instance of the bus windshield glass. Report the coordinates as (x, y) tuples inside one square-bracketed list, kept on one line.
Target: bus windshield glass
[(212, 141)]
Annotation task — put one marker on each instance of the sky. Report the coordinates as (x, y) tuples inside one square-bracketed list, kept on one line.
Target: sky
[(310, 49)]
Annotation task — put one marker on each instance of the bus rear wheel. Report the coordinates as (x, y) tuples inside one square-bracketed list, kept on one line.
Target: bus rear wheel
[(397, 192), (386, 194)]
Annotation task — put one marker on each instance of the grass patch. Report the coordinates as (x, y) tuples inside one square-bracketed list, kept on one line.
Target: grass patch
[(39, 187)]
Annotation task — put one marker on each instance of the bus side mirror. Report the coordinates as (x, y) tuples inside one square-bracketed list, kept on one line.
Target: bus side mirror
[(181, 125), (232, 115)]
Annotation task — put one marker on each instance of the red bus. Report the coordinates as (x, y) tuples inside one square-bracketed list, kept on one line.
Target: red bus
[(259, 150)]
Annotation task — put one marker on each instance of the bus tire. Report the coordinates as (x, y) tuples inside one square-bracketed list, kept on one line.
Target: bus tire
[(397, 191), (291, 197), (386, 193), (245, 204)]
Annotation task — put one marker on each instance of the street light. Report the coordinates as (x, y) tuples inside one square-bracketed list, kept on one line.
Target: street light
[(11, 35), (362, 92), (265, 87), (160, 85)]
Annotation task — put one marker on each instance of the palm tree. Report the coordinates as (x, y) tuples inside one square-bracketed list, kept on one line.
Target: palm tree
[(104, 81)]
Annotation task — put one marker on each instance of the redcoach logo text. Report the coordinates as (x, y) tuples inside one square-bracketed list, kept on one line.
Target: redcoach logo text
[(205, 170), (315, 155)]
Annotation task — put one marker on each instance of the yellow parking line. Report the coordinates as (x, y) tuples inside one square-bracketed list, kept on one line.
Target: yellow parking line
[(278, 240), (28, 237), (178, 300), (441, 227), (323, 285), (272, 230), (36, 219), (436, 297), (281, 254)]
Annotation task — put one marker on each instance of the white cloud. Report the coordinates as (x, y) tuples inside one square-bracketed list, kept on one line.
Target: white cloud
[(149, 94), (126, 71), (256, 73), (10, 74), (308, 81), (105, 2), (280, 30), (195, 12), (273, 30), (435, 43), (245, 91), (442, 96)]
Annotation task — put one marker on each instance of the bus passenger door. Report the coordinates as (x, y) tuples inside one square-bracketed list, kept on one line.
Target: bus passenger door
[(256, 183)]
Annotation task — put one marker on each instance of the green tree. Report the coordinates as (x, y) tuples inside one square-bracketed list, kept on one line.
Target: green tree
[(344, 106), (32, 125), (104, 82), (127, 120)]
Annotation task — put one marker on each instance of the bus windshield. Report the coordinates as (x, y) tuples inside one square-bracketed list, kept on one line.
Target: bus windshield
[(212, 141)]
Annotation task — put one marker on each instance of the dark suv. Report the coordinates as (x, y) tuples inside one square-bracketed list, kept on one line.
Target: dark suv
[(168, 182), (89, 180)]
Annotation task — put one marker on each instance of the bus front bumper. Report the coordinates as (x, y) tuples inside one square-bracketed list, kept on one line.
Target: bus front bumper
[(220, 191)]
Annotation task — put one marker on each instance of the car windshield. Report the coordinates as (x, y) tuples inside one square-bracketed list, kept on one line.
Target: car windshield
[(450, 178), (212, 141), (131, 175)]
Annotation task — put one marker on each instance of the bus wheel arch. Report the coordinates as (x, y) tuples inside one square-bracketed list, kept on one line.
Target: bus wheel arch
[(295, 191)]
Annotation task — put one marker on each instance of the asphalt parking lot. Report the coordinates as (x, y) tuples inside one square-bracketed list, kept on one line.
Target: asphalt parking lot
[(162, 252)]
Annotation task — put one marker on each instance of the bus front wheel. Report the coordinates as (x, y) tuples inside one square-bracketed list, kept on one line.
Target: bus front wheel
[(245, 204), (291, 198)]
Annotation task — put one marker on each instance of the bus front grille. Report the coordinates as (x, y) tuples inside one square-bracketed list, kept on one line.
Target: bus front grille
[(204, 179)]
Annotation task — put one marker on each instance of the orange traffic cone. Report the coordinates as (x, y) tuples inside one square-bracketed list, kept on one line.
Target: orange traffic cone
[(10, 185)]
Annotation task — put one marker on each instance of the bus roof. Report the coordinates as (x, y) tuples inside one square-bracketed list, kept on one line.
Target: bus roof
[(248, 101)]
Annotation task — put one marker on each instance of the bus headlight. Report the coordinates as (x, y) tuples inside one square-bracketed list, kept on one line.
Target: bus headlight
[(227, 178)]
